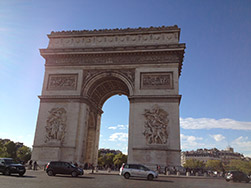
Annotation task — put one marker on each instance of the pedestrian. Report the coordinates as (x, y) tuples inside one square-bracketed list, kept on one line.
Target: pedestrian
[(92, 168), (30, 164), (35, 165)]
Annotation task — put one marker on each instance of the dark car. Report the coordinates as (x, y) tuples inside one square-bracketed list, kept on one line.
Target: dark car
[(237, 176), (8, 166), (61, 167)]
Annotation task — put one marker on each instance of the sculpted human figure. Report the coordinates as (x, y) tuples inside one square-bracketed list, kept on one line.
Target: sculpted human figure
[(156, 125), (56, 124)]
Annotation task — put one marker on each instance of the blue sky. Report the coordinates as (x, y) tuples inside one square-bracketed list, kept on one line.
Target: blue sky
[(215, 109)]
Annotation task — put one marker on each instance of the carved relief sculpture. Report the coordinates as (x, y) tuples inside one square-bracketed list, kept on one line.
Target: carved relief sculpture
[(56, 123), (161, 80), (62, 82), (156, 125)]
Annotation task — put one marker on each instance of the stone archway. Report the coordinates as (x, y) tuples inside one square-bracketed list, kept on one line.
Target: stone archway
[(85, 68)]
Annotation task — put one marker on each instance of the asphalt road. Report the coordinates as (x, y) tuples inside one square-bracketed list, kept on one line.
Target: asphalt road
[(39, 179)]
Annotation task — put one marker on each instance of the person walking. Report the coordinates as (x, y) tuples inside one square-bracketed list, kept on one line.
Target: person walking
[(35, 165), (30, 165)]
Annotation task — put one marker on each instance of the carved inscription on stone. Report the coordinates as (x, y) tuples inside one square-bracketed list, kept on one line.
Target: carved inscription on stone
[(156, 125), (62, 82), (157, 80), (56, 123)]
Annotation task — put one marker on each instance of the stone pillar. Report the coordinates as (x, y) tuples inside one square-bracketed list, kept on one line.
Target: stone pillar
[(56, 131), (154, 133), (81, 133)]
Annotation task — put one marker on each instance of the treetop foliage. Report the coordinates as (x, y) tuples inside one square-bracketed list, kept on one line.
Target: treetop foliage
[(17, 151)]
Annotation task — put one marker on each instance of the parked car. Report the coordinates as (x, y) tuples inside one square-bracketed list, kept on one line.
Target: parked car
[(8, 166), (137, 170), (61, 167), (237, 176)]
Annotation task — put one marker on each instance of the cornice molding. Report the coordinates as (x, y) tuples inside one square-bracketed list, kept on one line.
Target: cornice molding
[(114, 37), (155, 98), (69, 99), (158, 148), (113, 50), (113, 31)]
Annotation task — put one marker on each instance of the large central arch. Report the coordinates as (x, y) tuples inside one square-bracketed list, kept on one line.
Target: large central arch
[(85, 68)]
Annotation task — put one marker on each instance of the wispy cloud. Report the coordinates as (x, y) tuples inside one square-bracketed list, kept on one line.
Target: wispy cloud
[(121, 127), (218, 137), (191, 142), (207, 123), (242, 143), (119, 137)]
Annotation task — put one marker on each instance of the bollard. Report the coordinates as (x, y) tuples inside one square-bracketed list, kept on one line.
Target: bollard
[(188, 174), (167, 173), (178, 173), (196, 174), (205, 174)]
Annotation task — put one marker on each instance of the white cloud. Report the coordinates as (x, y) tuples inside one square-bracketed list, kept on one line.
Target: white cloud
[(113, 128), (121, 127), (243, 144), (119, 137), (191, 142), (218, 137), (207, 123)]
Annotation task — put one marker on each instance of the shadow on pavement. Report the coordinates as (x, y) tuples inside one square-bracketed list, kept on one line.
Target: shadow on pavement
[(67, 176), (154, 181), (17, 176), (104, 174)]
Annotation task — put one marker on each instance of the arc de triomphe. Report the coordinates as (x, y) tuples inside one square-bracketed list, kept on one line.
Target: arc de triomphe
[(85, 68)]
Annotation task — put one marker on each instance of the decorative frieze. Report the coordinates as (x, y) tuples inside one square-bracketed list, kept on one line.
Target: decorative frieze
[(114, 59), (156, 125), (156, 80), (115, 39), (56, 124), (62, 82)]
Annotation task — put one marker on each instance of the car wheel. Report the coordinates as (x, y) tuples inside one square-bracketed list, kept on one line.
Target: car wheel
[(50, 173), (74, 174), (127, 175), (227, 180), (21, 174), (7, 172), (150, 177), (247, 181)]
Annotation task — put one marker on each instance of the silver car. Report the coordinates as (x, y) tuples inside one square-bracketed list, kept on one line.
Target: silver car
[(137, 170)]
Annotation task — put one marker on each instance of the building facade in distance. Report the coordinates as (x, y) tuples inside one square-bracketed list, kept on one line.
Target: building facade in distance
[(211, 154)]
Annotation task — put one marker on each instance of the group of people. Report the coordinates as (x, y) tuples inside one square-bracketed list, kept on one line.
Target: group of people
[(32, 164)]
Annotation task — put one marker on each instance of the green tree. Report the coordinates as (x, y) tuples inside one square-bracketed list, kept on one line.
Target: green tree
[(214, 165), (109, 159), (105, 160), (3, 152), (11, 149), (119, 159), (24, 154), (193, 164), (244, 166)]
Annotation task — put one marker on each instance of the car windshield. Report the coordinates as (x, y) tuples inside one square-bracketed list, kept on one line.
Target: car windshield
[(9, 161), (73, 165)]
